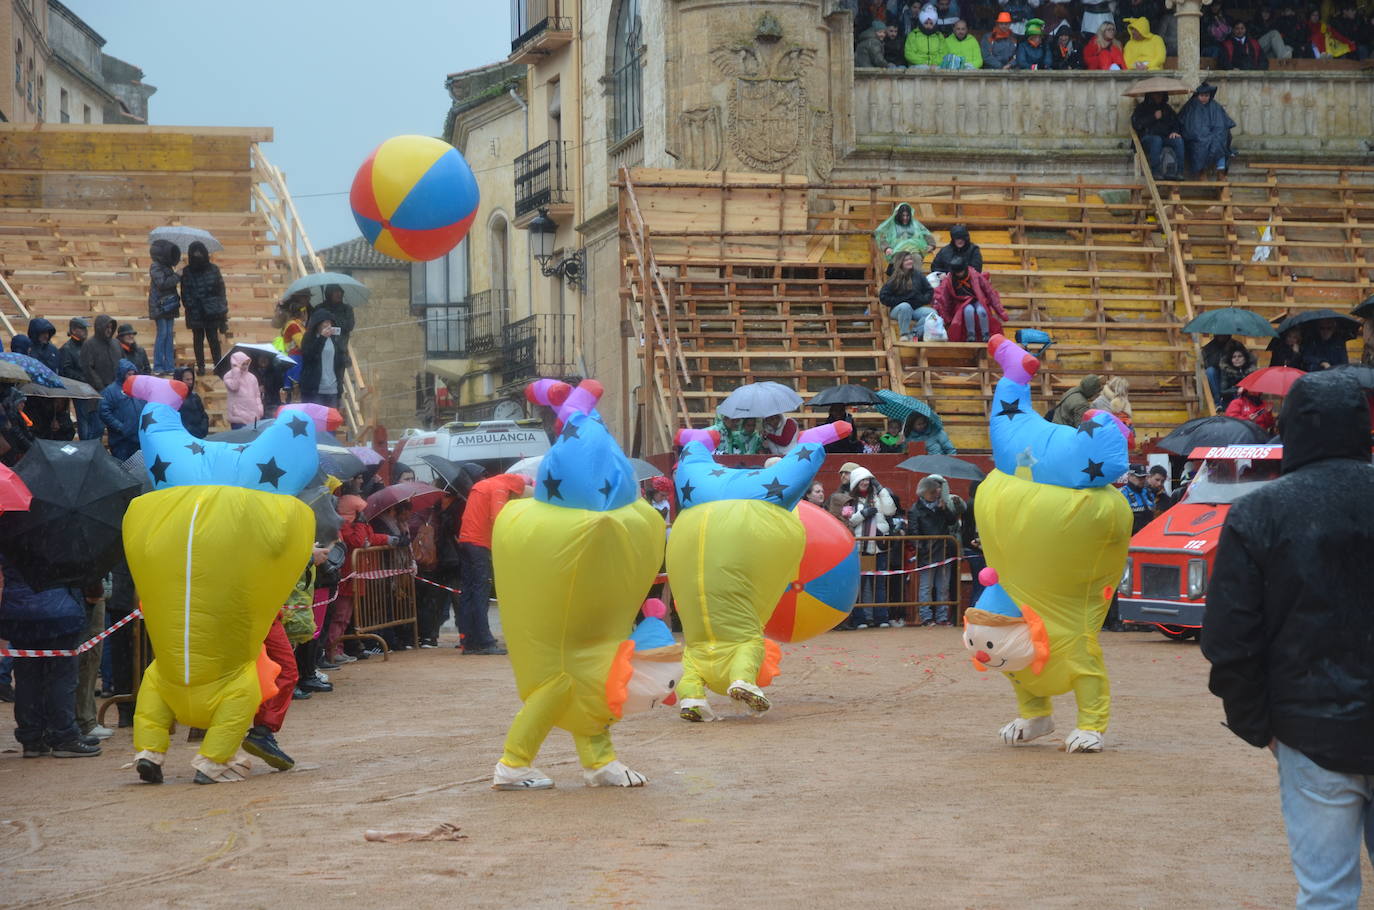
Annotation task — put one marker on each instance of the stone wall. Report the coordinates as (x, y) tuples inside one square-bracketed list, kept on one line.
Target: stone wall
[(1057, 116), (388, 343)]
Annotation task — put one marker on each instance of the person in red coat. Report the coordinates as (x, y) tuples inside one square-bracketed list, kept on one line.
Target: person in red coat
[(968, 303), (1250, 406), (356, 535)]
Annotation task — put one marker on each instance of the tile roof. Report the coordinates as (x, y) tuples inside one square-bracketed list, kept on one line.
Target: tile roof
[(358, 254)]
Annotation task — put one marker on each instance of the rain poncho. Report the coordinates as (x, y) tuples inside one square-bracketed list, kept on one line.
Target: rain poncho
[(901, 238), (934, 436), (1206, 128), (1147, 49), (739, 441)]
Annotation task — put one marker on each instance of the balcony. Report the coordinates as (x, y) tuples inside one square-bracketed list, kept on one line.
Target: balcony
[(545, 30), (467, 329), (538, 346), (541, 181)]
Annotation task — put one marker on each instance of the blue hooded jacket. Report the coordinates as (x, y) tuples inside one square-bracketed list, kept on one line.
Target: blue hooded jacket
[(43, 351), (34, 619), (120, 413)]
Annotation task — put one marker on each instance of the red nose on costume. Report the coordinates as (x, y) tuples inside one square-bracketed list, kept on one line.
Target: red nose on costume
[(982, 657)]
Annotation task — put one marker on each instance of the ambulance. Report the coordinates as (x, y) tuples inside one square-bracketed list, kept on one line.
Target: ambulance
[(493, 444), (1170, 560)]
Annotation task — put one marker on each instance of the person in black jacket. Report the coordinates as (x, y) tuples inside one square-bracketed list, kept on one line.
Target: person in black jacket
[(88, 425), (206, 303), (1289, 630), (1241, 52), (1065, 53), (907, 296), (960, 244), (1156, 123), (323, 360), (193, 415), (1324, 348), (51, 416)]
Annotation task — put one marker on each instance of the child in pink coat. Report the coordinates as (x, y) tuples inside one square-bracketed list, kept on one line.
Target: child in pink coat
[(245, 399)]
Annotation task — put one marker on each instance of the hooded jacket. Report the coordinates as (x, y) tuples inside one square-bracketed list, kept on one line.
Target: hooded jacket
[(120, 414), (163, 300), (1078, 401), (1206, 127), (31, 619), (951, 305), (1147, 49), (871, 512), (202, 290), (1243, 407), (971, 252), (100, 353), (45, 352), (312, 353), (1070, 58), (244, 402), (925, 48), (1097, 57), (942, 517), (900, 238), (135, 354), (869, 50), (193, 415), (1289, 627), (934, 436), (966, 49)]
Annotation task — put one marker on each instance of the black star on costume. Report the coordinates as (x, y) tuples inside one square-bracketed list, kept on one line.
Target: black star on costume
[(775, 488), (570, 431), (607, 489), (687, 490), (1094, 469), (1009, 408), (270, 472), (298, 426), (196, 448), (159, 469), (551, 487), (1089, 426), (718, 472), (146, 422), (804, 453)]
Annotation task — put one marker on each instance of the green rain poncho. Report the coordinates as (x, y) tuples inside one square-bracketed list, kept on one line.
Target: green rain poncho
[(901, 238)]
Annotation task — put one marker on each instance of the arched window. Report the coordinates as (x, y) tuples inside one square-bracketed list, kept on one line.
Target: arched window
[(627, 75)]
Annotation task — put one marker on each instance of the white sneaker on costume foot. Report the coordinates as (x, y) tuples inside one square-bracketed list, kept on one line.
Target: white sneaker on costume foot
[(613, 774), (1083, 741), (697, 710), (1023, 730), (750, 694), (527, 778)]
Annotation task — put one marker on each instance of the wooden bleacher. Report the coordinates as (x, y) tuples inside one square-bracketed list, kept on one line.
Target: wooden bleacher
[(77, 203)]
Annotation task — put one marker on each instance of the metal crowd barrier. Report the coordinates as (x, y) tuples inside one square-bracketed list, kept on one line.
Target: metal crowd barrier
[(894, 572), (383, 594)]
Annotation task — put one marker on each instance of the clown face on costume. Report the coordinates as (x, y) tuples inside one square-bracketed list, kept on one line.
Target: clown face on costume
[(1055, 535)]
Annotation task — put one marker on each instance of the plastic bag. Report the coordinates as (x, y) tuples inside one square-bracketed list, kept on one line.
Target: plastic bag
[(934, 329)]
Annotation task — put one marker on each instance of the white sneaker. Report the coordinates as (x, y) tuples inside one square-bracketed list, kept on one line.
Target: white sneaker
[(1023, 730), (697, 710), (321, 676), (750, 694), (527, 778), (884, 625), (862, 625), (613, 774), (100, 732), (898, 623), (1083, 741), (212, 772)]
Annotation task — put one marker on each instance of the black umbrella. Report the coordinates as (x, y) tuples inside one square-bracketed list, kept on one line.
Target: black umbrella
[(1213, 431), (842, 394), (457, 476), (1230, 321), (340, 462), (1366, 308), (73, 530), (327, 519), (945, 465), (1344, 324)]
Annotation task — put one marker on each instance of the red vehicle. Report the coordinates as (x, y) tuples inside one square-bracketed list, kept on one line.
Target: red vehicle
[(1170, 561)]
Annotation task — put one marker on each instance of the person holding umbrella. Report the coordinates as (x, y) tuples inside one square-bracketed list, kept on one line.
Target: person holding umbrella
[(340, 313), (164, 303), (324, 358), (1250, 405), (1325, 348)]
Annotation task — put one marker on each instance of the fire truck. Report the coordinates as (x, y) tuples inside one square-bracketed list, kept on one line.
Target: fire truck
[(1165, 584)]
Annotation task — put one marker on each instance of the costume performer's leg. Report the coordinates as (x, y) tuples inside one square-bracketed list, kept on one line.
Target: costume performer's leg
[(594, 751), (232, 715), (153, 717), (745, 661), (1031, 706), (692, 684), (1093, 693), (532, 724)]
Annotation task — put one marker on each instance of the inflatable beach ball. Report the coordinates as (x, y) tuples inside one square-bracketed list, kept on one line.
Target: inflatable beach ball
[(827, 581), (414, 198)]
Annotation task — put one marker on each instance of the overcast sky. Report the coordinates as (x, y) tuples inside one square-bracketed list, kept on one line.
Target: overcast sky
[(333, 78)]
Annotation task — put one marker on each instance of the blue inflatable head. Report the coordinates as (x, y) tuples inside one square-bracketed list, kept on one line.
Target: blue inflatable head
[(586, 469), (700, 479)]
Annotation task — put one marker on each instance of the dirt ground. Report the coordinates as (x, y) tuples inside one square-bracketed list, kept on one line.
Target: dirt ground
[(876, 780)]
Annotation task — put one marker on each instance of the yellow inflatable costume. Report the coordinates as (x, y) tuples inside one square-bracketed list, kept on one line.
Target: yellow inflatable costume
[(213, 565), (572, 566), (733, 551), (1055, 534)]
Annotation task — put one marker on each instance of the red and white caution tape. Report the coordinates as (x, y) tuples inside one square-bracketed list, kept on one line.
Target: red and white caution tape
[(71, 652), (933, 565)]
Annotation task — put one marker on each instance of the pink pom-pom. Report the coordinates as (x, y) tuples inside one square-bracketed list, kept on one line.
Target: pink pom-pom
[(654, 609), (987, 577)]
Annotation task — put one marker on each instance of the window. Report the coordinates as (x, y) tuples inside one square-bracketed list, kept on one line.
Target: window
[(19, 64), (627, 77), (440, 281), (40, 99), (63, 100), (85, 113)]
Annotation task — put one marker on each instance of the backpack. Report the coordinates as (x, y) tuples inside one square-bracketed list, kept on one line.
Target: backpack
[(423, 547)]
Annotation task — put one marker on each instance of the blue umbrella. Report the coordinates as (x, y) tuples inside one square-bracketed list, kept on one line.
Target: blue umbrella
[(900, 407), (1231, 321), (355, 293), (37, 371)]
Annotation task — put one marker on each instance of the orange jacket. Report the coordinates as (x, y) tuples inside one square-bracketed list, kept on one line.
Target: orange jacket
[(485, 502)]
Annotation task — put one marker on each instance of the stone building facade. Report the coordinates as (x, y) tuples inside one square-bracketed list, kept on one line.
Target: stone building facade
[(387, 341)]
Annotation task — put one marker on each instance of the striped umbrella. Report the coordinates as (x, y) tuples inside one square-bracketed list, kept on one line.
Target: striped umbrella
[(900, 407)]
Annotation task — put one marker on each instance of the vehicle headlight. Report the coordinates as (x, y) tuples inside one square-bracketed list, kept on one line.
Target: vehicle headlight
[(1197, 577), (1125, 586)]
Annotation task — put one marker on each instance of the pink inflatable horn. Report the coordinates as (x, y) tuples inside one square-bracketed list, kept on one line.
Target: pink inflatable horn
[(827, 433), (710, 438), (1017, 365), (564, 399), (171, 392)]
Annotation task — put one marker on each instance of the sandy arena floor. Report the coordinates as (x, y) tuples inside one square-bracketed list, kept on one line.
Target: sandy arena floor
[(877, 780)]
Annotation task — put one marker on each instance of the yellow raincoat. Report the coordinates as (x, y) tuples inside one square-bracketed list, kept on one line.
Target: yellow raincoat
[(1148, 48)]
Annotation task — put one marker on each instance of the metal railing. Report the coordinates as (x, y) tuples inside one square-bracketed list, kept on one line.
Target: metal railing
[(890, 579), (541, 177), (538, 345), (468, 328), (539, 16)]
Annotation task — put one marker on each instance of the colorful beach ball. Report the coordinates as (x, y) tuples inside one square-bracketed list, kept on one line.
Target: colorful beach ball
[(827, 581), (414, 198)]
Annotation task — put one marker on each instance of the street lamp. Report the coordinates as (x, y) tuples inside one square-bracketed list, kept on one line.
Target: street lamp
[(570, 267)]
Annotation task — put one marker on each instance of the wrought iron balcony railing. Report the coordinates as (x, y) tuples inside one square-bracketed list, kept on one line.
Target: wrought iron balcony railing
[(541, 178)]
